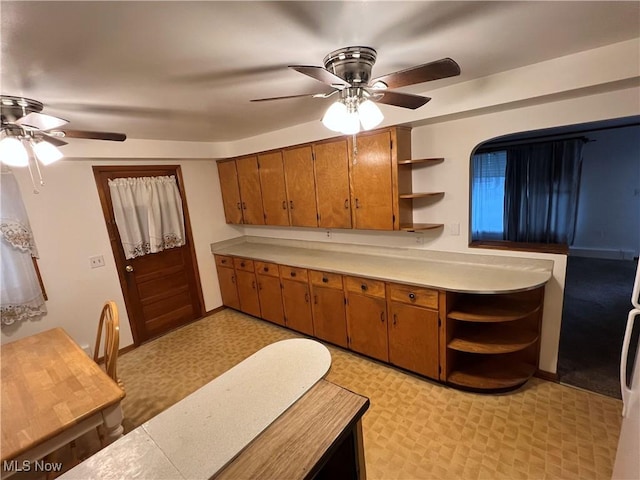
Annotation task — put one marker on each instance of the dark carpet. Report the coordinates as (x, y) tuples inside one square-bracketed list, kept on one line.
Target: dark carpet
[(597, 300)]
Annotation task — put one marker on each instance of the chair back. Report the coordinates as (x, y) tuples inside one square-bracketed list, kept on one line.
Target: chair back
[(110, 322)]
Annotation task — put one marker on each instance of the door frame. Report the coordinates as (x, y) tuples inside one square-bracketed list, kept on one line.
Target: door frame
[(101, 174)]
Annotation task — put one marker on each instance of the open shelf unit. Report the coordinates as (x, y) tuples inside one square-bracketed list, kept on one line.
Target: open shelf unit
[(492, 341), (406, 195)]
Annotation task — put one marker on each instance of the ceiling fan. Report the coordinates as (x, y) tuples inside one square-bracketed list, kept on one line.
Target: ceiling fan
[(348, 71), (24, 127)]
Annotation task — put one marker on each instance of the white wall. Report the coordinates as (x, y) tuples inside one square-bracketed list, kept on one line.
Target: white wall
[(69, 227), (608, 224)]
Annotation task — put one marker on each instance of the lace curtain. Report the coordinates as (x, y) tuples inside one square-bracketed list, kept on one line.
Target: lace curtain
[(148, 213), (20, 293)]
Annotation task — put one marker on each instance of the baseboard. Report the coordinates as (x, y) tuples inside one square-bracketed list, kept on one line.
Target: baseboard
[(549, 376), (215, 310)]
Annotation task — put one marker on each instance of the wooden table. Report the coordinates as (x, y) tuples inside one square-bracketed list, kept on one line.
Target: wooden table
[(52, 393)]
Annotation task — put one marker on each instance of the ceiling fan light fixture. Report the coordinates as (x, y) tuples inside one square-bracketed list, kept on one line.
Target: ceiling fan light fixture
[(351, 124), (369, 115), (334, 117), (46, 152), (13, 153)]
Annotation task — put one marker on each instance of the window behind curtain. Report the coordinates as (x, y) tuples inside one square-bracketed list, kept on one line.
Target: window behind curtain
[(488, 176)]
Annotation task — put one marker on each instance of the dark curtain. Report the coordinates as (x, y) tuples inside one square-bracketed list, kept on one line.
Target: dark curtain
[(541, 191)]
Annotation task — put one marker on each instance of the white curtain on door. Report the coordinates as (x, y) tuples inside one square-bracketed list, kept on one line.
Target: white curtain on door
[(148, 214), (20, 293)]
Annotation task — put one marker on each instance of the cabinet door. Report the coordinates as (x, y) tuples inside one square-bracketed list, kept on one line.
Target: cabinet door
[(248, 292), (301, 190), (413, 338), (230, 191), (297, 306), (367, 325), (329, 316), (250, 192), (270, 295), (228, 290), (332, 184), (274, 195), (371, 174)]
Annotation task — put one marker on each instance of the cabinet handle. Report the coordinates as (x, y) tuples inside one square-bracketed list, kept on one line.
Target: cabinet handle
[(284, 204), (364, 287), (325, 280), (357, 203), (291, 204), (233, 279), (259, 285), (223, 261), (412, 296), (239, 206), (346, 204), (382, 316), (242, 264), (315, 299), (306, 297), (395, 318), (266, 269), (244, 206), (253, 285), (293, 274)]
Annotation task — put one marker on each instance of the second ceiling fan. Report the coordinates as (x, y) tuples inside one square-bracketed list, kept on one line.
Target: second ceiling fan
[(348, 72)]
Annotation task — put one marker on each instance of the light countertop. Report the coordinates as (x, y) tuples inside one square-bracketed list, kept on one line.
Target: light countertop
[(201, 434), (457, 272)]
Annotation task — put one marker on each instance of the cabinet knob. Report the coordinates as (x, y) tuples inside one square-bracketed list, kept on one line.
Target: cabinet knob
[(293, 274), (284, 204), (412, 296), (325, 280), (357, 203), (239, 206), (266, 269), (223, 261), (291, 204), (244, 206), (364, 287), (242, 264), (346, 204)]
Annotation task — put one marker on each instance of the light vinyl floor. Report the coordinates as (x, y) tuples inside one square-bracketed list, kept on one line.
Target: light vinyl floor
[(414, 428)]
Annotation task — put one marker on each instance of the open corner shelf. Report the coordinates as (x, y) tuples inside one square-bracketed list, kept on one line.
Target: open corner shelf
[(421, 161), (492, 308), (416, 227), (496, 338), (491, 373), (420, 195)]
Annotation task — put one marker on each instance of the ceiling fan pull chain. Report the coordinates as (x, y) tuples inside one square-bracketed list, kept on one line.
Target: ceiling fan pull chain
[(33, 180), (35, 160), (355, 149)]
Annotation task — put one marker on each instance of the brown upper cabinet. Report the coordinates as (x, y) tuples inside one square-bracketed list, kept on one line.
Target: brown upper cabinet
[(362, 182), (230, 191), (250, 191), (274, 194), (301, 189), (332, 183)]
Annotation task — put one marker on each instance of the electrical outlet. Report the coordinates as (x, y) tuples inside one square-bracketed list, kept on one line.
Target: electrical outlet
[(419, 239), (96, 261)]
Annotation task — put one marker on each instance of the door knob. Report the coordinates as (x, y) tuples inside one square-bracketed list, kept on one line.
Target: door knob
[(129, 268)]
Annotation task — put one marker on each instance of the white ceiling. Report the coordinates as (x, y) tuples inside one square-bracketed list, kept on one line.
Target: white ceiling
[(187, 70)]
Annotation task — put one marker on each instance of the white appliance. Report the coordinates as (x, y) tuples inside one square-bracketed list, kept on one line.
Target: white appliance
[(627, 465)]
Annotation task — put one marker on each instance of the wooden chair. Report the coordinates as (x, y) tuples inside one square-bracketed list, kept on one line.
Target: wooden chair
[(110, 323)]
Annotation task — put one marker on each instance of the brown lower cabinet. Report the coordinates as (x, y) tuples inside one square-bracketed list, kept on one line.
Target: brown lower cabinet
[(248, 293), (296, 299), (367, 317), (328, 307), (227, 281), (270, 292)]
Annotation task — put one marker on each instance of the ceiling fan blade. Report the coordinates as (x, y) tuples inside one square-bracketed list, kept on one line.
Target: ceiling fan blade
[(443, 68), (322, 75), (404, 100), (40, 121), (114, 137), (308, 95), (55, 141)]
